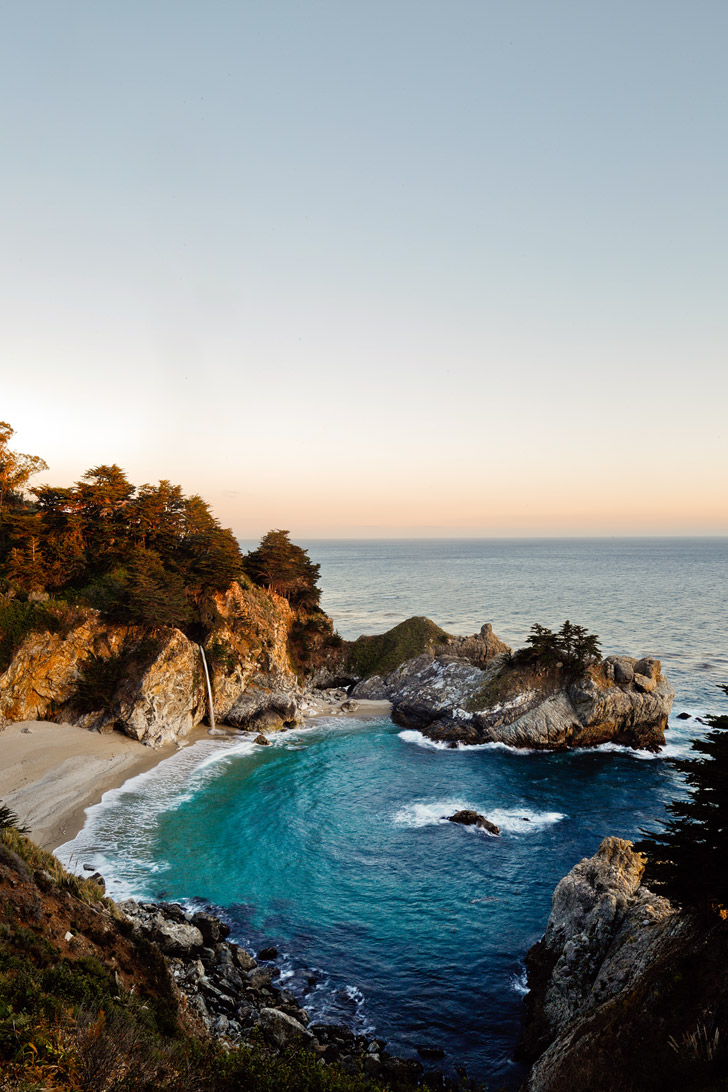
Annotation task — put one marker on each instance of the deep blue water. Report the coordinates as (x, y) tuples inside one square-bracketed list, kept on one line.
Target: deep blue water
[(332, 842)]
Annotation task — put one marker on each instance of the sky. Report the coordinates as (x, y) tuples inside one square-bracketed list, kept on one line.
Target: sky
[(376, 267)]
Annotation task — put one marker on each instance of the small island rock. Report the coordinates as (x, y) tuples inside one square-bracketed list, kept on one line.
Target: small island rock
[(473, 819)]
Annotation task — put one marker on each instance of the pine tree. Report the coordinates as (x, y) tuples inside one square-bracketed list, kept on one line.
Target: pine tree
[(687, 858), (286, 569)]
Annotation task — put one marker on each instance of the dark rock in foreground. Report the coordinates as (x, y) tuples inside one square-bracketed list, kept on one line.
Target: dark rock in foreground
[(624, 988), (233, 996)]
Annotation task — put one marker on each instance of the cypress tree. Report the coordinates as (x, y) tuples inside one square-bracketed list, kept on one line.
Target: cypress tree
[(687, 860)]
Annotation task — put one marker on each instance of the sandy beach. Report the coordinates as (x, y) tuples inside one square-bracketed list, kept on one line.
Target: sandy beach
[(50, 773)]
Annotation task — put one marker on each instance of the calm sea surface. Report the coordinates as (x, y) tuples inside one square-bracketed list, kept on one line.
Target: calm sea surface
[(333, 842)]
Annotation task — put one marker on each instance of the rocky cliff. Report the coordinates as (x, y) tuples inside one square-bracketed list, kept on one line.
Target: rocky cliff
[(261, 653), (150, 683), (473, 690), (626, 993)]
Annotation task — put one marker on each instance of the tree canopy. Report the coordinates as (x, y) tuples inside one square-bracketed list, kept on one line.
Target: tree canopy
[(686, 858), (573, 646), (286, 569), (146, 555), (16, 469)]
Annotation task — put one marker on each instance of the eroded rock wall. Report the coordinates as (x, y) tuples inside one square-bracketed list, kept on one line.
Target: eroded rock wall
[(627, 992)]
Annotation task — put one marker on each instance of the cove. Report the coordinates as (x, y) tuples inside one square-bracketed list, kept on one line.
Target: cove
[(333, 845)]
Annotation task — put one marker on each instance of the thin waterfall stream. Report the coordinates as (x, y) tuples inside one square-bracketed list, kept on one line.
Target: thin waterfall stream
[(209, 688)]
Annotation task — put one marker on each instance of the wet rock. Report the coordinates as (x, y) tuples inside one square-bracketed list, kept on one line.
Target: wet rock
[(268, 953), (473, 819), (213, 930), (262, 740)]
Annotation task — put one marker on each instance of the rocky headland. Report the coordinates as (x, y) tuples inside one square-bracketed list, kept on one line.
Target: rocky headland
[(474, 690), (627, 993), (272, 664)]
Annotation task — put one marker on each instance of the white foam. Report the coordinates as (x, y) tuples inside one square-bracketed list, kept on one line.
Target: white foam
[(670, 750), (513, 820), (411, 735), (519, 983), (524, 820)]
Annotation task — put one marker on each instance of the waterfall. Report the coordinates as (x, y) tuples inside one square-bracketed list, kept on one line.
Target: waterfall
[(209, 688)]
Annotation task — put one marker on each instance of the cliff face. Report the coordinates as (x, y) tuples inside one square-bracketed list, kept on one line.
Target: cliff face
[(472, 691), (151, 685), (626, 993)]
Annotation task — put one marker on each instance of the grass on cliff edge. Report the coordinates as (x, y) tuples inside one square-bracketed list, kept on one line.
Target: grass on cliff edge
[(69, 1022), (382, 653)]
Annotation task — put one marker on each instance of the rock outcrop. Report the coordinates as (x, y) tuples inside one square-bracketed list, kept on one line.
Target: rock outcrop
[(469, 818), (622, 986), (237, 998), (150, 684), (474, 691), (261, 653)]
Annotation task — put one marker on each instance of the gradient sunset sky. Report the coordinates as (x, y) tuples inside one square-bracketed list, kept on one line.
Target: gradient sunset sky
[(374, 267)]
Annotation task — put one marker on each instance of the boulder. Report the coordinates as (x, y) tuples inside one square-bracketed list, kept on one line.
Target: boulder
[(173, 938), (473, 819), (262, 740), (212, 929), (281, 1030), (268, 953), (265, 705), (623, 668)]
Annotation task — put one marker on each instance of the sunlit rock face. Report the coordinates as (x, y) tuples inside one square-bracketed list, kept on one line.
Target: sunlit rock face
[(620, 700), (150, 683)]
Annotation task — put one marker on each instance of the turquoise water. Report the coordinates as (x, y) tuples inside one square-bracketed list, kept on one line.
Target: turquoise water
[(333, 843)]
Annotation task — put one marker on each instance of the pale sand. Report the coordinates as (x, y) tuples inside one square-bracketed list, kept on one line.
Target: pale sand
[(365, 708), (50, 773)]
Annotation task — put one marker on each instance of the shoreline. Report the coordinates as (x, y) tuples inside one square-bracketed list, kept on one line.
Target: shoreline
[(51, 773)]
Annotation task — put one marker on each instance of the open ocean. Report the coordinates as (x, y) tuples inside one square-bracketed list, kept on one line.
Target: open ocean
[(332, 843)]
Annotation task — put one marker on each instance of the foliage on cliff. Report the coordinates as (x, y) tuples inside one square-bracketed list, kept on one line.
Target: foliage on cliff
[(382, 653), (143, 555), (286, 569), (573, 646), (86, 1006), (686, 858)]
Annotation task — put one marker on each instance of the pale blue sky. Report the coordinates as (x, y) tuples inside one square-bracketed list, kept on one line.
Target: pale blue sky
[(374, 267)]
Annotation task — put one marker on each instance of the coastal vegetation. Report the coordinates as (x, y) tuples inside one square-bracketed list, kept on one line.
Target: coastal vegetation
[(384, 652), (286, 569), (88, 1006), (686, 858), (146, 556), (572, 647)]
